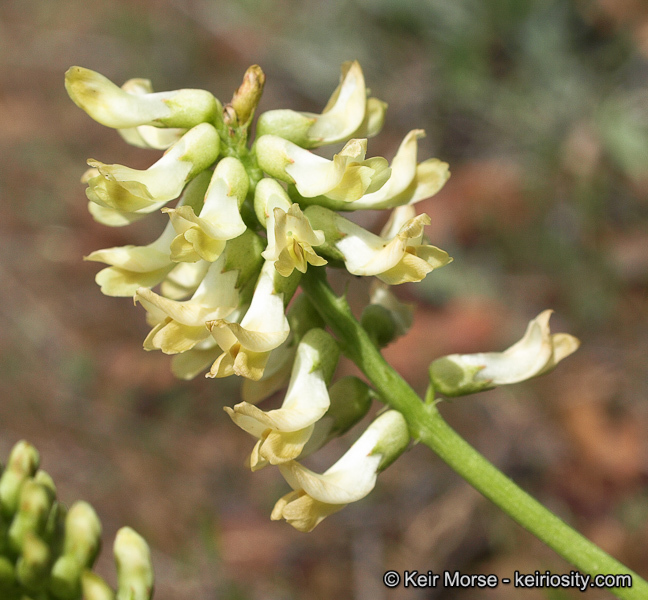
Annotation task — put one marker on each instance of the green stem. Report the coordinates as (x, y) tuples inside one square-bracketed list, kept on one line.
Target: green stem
[(427, 426)]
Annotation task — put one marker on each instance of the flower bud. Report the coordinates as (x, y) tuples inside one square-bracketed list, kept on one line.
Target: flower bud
[(22, 464), (247, 97), (7, 575), (385, 318), (95, 588), (32, 567), (134, 569), (33, 508), (82, 534)]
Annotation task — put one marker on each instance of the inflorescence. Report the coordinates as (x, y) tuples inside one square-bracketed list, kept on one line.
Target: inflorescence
[(249, 219)]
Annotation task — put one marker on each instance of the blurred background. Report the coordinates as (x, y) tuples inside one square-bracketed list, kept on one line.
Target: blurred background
[(541, 109)]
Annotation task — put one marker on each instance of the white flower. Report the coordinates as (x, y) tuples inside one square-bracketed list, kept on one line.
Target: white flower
[(131, 190), (348, 113), (204, 236), (350, 479), (396, 256), (112, 106), (283, 432), (408, 182), (247, 346), (536, 353), (345, 178)]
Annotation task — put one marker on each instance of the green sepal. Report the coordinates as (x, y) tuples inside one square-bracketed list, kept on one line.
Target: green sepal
[(327, 350), (394, 437), (379, 324), (325, 219), (285, 123), (451, 379)]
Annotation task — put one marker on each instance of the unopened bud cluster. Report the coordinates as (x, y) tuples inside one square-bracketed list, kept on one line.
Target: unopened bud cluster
[(247, 221), (47, 550)]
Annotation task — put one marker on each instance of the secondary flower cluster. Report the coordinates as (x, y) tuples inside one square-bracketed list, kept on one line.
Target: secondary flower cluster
[(47, 551), (247, 222)]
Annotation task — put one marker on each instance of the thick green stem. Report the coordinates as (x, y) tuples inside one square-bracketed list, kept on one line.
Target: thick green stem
[(427, 426)]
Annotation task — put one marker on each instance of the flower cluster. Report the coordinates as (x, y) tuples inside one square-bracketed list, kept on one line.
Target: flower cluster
[(220, 283), (47, 551)]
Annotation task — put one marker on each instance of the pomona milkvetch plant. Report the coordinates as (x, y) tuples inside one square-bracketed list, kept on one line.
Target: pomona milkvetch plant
[(236, 283)]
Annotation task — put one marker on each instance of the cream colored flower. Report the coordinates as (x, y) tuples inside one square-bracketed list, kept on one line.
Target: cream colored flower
[(247, 346), (302, 317), (130, 190), (348, 113), (115, 107), (148, 136), (204, 236), (181, 325), (536, 353), (396, 256), (350, 479), (290, 235), (132, 267), (408, 182), (345, 178), (283, 432)]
